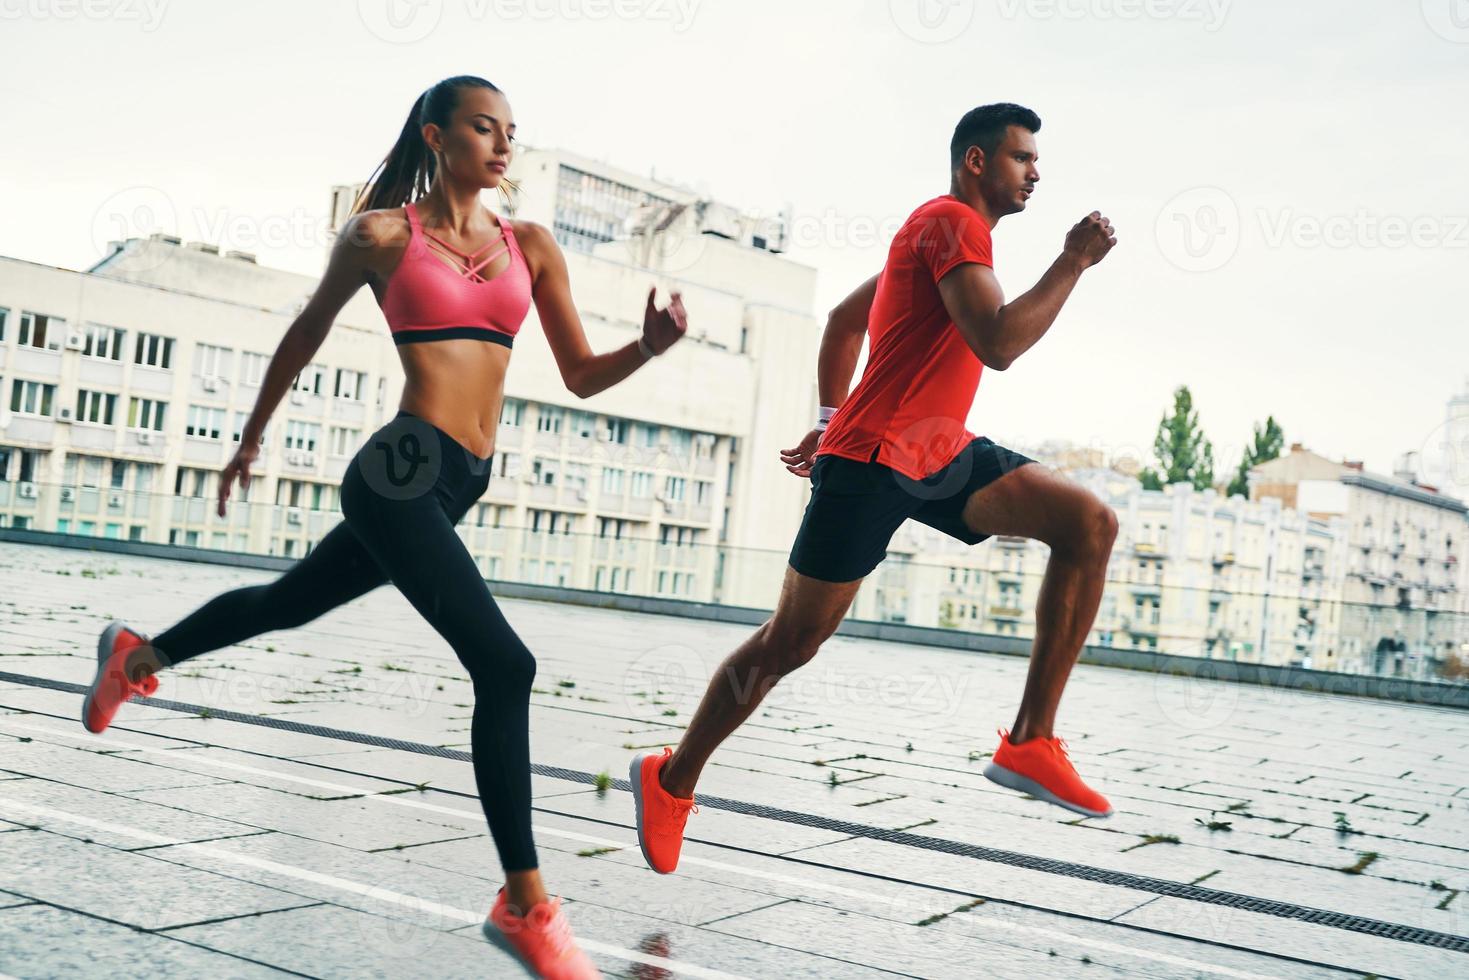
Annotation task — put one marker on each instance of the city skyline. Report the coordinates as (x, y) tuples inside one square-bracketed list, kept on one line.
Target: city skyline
[(1274, 218)]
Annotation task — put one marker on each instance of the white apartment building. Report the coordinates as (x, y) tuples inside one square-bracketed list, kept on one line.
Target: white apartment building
[(1403, 583), (123, 389), (1327, 566)]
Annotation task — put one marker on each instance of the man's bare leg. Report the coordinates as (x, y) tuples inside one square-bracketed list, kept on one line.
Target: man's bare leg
[(808, 612), (1033, 502)]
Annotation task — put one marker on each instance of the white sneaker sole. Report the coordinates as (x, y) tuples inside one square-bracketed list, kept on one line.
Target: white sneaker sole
[(498, 940), (635, 777), (1024, 784)]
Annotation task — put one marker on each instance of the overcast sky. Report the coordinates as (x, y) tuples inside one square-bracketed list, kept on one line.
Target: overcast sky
[(1289, 181)]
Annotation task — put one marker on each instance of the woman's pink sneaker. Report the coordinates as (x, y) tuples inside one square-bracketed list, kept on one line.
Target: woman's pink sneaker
[(541, 940), (111, 686)]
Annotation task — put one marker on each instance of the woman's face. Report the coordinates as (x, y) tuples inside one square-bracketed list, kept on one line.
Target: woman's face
[(480, 138)]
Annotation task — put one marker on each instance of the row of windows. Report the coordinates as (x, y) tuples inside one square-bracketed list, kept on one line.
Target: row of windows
[(37, 398), (106, 343), (553, 420)]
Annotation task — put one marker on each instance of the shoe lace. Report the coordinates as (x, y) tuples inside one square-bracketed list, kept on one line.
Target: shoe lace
[(1063, 750), (553, 925), (677, 809)]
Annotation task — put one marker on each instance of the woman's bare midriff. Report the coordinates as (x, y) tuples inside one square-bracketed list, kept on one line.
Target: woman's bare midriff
[(457, 385)]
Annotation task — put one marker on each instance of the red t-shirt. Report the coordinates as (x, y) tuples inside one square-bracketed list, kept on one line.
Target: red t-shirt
[(920, 378)]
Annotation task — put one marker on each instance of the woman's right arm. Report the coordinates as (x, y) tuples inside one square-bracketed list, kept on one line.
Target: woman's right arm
[(346, 272)]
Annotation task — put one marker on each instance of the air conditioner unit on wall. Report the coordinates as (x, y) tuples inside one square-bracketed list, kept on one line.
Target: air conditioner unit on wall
[(64, 414), (298, 398), (76, 341), (293, 515), (209, 383), (115, 499), (145, 438), (68, 494), (27, 489)]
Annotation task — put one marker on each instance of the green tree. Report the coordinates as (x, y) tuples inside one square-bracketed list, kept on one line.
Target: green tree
[(1268, 441), (1183, 452)]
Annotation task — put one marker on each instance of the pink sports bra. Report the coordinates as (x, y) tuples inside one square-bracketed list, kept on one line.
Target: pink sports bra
[(426, 300)]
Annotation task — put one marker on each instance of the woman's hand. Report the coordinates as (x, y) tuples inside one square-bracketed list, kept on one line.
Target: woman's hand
[(662, 328), (248, 452), (799, 460)]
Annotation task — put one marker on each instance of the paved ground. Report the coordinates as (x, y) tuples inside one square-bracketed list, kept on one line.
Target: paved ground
[(179, 844)]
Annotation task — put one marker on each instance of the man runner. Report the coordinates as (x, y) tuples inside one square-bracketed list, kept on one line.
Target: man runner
[(897, 447)]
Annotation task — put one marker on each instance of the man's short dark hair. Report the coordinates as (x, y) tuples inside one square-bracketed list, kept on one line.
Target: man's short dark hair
[(985, 128)]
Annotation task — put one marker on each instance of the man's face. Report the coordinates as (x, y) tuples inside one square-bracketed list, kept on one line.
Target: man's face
[(1010, 173)]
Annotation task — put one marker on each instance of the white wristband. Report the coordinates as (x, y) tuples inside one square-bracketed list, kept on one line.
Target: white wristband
[(826, 412), (644, 349)]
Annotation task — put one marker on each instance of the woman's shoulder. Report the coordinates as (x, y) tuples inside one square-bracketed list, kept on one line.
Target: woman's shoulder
[(379, 227), (531, 233)]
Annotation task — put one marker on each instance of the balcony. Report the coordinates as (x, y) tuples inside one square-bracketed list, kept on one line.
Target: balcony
[(1005, 612)]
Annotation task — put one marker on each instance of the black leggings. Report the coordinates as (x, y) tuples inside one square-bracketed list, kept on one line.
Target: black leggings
[(402, 494)]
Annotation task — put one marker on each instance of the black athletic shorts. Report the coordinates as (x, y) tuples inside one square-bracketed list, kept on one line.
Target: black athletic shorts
[(855, 507)]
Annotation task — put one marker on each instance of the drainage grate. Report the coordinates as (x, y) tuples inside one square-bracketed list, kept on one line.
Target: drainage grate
[(1015, 859)]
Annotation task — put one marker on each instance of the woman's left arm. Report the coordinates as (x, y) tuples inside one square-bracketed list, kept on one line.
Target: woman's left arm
[(586, 373)]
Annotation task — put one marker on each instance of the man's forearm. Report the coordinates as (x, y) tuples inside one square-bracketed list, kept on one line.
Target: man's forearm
[(841, 344), (836, 364), (1024, 320), (292, 354)]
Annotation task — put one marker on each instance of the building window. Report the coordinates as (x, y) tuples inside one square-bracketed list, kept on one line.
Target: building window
[(680, 442), (309, 379), (506, 465), (344, 441), (190, 482), (612, 480), (512, 412), (647, 435), (349, 385), (617, 431), (204, 422), (582, 424), (31, 397), (153, 350), (301, 435), (95, 406), (252, 368), (642, 484), (239, 428), (40, 330), (4, 318), (211, 361), (550, 419), (103, 342), (673, 488), (543, 471), (146, 413)]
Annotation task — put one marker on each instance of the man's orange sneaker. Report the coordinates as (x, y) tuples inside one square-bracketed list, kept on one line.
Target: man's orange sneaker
[(111, 686), (541, 940), (661, 815), (1041, 767)]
